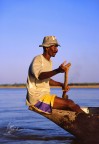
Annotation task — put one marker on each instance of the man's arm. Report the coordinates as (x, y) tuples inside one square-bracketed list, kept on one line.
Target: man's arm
[(49, 74), (55, 83), (45, 75)]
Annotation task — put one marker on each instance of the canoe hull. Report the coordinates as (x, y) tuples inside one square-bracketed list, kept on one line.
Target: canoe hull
[(82, 126)]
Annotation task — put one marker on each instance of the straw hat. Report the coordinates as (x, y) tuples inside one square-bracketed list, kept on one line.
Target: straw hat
[(49, 41)]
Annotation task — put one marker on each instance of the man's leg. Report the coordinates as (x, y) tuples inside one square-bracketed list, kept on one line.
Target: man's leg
[(60, 103)]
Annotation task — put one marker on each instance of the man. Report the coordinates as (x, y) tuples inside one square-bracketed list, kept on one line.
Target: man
[(39, 81)]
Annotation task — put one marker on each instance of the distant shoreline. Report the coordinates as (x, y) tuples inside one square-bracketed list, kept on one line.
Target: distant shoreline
[(12, 87), (71, 86)]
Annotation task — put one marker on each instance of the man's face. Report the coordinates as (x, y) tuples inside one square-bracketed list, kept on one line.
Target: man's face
[(52, 50)]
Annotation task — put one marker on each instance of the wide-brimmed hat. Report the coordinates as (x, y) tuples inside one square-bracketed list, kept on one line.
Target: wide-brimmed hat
[(49, 41)]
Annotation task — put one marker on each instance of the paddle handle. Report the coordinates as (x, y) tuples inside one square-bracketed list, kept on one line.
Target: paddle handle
[(66, 81), (65, 85)]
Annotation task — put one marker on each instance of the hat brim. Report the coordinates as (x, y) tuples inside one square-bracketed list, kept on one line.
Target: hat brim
[(48, 45)]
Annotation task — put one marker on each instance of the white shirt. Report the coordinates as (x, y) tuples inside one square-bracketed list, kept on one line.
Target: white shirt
[(37, 88)]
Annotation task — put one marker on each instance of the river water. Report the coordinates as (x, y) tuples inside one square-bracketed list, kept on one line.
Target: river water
[(18, 125)]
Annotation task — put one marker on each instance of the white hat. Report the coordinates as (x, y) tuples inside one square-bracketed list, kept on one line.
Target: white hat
[(49, 41)]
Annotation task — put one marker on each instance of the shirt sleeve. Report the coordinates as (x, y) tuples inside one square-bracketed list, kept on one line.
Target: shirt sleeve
[(36, 66)]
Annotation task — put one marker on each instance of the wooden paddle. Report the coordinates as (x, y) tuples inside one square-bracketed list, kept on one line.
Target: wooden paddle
[(66, 81)]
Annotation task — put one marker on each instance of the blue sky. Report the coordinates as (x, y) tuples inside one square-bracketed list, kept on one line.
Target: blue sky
[(24, 23)]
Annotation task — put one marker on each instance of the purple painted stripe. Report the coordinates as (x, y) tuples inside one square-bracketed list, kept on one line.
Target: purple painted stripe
[(43, 106)]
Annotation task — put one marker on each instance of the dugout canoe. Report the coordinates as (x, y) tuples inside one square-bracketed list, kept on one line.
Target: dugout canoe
[(82, 126)]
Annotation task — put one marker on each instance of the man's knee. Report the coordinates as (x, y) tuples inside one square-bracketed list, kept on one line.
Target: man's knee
[(71, 103)]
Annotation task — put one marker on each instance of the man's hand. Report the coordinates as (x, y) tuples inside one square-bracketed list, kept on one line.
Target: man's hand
[(66, 89), (64, 67)]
